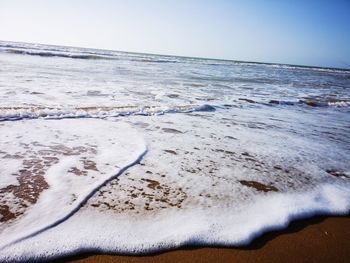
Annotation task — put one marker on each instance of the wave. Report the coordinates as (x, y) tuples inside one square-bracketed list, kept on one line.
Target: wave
[(312, 102), (17, 113), (85, 55), (292, 67), (57, 54), (315, 102), (155, 60), (36, 112)]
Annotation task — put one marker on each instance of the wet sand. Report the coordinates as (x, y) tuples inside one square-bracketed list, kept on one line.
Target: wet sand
[(320, 239)]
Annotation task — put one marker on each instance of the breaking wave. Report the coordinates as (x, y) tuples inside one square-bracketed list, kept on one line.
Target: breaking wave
[(18, 113)]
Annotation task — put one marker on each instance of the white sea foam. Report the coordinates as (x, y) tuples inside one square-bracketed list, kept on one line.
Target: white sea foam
[(339, 103), (73, 157), (232, 215), (18, 113), (119, 234)]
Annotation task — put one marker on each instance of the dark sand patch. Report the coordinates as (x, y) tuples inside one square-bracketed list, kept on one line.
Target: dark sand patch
[(30, 178), (77, 171), (6, 214), (171, 152), (145, 194), (31, 183), (259, 186), (90, 165), (152, 184), (274, 102), (311, 103), (337, 173)]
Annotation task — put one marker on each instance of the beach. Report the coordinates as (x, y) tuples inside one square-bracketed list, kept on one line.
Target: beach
[(319, 239), (173, 158)]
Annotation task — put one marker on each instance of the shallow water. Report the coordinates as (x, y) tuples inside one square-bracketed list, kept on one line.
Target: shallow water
[(196, 151)]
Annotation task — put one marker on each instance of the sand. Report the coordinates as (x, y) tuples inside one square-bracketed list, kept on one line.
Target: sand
[(317, 239)]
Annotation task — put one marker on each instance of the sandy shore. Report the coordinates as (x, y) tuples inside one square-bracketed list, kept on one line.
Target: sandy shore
[(312, 240)]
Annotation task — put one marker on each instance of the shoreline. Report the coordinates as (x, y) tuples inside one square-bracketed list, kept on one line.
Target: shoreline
[(317, 239)]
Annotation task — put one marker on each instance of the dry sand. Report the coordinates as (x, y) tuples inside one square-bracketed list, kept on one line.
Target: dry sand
[(312, 240)]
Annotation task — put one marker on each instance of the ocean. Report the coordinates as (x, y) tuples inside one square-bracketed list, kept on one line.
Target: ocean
[(107, 151)]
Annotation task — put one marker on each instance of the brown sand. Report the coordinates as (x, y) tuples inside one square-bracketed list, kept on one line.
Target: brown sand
[(312, 240)]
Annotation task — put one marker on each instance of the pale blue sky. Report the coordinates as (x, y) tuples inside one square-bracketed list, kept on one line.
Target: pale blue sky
[(295, 32)]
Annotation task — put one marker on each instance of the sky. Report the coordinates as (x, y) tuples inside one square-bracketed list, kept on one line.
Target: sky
[(314, 33)]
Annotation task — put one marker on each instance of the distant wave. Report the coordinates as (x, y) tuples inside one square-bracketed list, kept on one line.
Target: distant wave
[(321, 69), (155, 60), (87, 55), (17, 113), (56, 54), (287, 66), (312, 102), (315, 103), (32, 47)]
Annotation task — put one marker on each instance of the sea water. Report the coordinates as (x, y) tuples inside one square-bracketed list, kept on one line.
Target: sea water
[(135, 153)]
